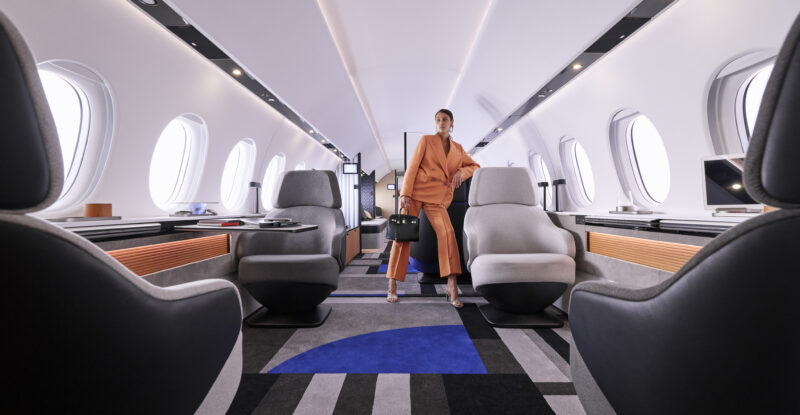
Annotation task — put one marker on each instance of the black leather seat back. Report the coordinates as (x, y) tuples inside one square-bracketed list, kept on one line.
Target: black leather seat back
[(83, 334), (425, 251), (719, 336)]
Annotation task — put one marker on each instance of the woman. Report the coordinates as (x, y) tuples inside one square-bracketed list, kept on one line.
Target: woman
[(436, 169)]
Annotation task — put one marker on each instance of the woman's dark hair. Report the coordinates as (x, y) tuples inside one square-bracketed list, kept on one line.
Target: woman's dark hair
[(445, 111)]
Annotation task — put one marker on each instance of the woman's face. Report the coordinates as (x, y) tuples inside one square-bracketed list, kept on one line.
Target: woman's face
[(443, 123)]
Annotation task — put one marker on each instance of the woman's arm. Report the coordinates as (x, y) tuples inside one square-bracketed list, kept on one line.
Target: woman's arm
[(468, 165), (413, 168)]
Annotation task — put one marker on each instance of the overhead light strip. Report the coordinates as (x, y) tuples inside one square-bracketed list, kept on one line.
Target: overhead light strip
[(177, 24), (641, 14)]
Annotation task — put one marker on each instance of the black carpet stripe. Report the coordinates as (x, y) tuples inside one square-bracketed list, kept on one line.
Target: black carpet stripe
[(285, 394), (475, 324), (357, 394), (428, 289), (259, 346), (496, 357), (373, 269), (494, 394), (428, 396), (555, 341), (556, 388), (252, 389)]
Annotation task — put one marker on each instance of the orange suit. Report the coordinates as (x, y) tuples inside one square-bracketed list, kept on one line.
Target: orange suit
[(427, 183)]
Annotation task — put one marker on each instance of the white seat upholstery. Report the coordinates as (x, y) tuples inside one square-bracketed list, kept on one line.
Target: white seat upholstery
[(510, 268), (520, 262)]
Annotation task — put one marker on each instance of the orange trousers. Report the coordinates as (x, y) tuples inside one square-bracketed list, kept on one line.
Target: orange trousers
[(449, 258)]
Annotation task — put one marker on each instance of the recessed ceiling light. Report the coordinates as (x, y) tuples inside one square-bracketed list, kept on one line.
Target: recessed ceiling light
[(150, 2), (323, 141), (622, 36), (193, 44), (736, 186), (499, 129), (236, 71), (311, 131), (577, 67), (271, 100)]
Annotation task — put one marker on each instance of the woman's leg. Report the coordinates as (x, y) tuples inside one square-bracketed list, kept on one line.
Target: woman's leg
[(447, 246), (449, 258), (398, 258)]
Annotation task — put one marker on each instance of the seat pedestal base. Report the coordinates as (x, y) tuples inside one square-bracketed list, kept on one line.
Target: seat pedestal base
[(311, 318), (426, 278), (500, 318)]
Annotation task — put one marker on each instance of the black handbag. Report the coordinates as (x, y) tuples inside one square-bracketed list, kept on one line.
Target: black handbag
[(403, 228)]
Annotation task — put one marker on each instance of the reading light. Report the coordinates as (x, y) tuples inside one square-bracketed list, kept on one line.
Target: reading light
[(237, 72), (736, 186), (577, 67)]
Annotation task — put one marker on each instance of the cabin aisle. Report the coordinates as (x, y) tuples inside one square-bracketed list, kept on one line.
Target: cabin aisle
[(418, 356)]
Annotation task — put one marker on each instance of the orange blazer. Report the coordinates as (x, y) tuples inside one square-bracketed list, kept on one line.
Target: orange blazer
[(429, 172)]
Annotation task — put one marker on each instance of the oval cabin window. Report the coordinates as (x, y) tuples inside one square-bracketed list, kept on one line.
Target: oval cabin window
[(81, 106), (237, 173), (270, 182), (177, 162)]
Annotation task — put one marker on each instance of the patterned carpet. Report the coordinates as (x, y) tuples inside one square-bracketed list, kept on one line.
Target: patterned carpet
[(418, 356)]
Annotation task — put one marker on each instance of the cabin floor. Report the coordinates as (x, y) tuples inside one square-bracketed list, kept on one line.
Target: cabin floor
[(417, 356)]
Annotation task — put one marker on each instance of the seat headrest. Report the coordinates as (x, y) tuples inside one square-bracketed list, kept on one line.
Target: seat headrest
[(491, 185), (31, 173), (772, 164), (307, 188)]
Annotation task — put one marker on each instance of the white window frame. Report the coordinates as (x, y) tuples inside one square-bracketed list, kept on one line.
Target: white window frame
[(241, 176), (726, 120), (625, 158), (191, 163), (270, 183), (96, 132), (576, 186), (542, 173)]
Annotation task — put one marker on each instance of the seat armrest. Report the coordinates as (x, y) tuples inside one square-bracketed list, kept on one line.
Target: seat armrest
[(195, 288)]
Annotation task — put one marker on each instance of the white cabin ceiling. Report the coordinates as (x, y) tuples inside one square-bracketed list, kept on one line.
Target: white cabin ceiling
[(364, 71)]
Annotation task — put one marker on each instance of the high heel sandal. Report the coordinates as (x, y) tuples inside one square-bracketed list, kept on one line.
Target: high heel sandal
[(391, 297), (455, 303)]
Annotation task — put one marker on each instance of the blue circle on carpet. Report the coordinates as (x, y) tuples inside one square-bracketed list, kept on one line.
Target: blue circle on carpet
[(429, 349)]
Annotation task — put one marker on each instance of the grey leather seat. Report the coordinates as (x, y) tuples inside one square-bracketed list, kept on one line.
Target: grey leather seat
[(519, 260), (719, 336), (82, 333), (291, 273)]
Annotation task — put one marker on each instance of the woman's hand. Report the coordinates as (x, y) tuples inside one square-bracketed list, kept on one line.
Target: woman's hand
[(457, 179), (405, 202)]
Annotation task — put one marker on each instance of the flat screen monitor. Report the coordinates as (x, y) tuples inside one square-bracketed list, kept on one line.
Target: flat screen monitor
[(350, 168), (723, 184), (390, 186)]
